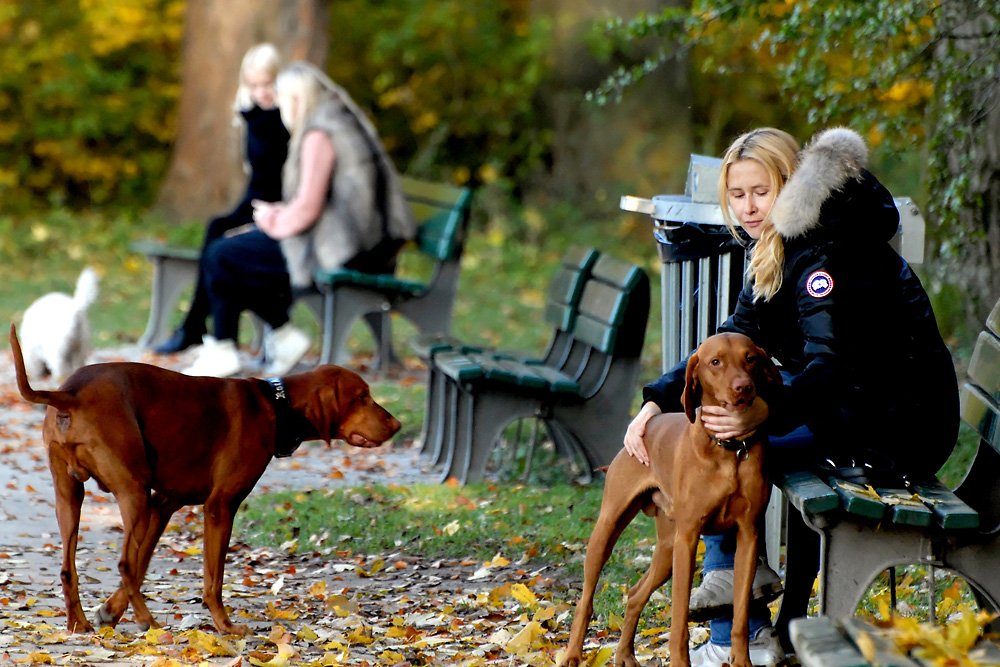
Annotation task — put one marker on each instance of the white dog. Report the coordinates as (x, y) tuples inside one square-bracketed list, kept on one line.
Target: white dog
[(56, 332)]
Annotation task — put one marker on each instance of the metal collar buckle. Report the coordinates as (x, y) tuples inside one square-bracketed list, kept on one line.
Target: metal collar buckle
[(741, 447)]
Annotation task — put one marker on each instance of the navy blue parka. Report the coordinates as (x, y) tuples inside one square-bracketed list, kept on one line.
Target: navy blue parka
[(851, 322)]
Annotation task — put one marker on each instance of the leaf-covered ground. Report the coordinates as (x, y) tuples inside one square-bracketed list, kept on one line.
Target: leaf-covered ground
[(330, 606)]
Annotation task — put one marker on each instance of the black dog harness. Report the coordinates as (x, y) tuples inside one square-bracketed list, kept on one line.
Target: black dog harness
[(287, 436)]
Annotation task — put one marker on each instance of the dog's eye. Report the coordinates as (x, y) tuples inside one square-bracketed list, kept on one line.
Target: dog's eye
[(716, 362)]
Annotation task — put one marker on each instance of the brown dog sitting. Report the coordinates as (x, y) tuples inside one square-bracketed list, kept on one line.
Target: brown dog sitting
[(159, 440), (695, 484)]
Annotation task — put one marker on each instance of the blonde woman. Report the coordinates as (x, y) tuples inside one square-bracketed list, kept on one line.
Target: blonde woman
[(344, 203), (265, 145), (841, 311)]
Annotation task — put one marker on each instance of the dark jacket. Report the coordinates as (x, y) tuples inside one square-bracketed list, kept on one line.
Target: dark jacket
[(851, 322), (266, 150)]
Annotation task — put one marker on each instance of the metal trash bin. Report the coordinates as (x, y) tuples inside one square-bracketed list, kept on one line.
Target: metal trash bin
[(701, 271)]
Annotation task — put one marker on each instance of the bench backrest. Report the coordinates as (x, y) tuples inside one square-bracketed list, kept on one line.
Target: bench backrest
[(442, 214), (614, 308), (980, 409), (566, 287)]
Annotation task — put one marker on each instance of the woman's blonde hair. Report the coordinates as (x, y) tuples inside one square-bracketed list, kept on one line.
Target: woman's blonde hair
[(777, 151), (263, 57), (305, 82)]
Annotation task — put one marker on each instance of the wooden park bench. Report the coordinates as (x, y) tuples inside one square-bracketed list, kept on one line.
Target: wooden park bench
[(582, 388), (864, 531), (341, 296)]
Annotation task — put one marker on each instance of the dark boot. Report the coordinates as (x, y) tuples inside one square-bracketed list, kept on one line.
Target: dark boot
[(179, 341)]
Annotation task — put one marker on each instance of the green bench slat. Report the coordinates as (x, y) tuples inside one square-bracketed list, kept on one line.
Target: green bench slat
[(458, 366), (949, 511), (984, 367), (993, 321), (981, 412), (617, 272), (157, 249), (903, 509), (818, 643), (807, 492), (855, 501)]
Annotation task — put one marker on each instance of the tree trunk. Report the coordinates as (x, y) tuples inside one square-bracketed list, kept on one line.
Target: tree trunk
[(205, 175), (971, 261)]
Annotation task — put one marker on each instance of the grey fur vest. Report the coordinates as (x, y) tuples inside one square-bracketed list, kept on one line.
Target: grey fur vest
[(350, 222)]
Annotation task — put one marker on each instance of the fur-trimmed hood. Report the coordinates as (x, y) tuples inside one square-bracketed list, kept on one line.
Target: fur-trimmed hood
[(831, 160)]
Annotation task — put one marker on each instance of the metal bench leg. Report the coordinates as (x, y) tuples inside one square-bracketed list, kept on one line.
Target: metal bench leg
[(435, 414), (487, 416), (451, 428), (170, 278), (801, 567)]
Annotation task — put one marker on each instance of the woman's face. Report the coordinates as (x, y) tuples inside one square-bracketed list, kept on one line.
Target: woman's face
[(750, 195), (261, 86)]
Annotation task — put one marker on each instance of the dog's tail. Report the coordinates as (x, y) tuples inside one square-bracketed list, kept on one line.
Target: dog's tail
[(58, 399), (86, 289)]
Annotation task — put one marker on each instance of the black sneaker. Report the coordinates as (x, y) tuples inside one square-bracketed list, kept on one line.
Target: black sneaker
[(179, 341)]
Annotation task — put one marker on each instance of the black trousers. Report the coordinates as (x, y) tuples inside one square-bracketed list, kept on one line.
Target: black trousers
[(245, 272)]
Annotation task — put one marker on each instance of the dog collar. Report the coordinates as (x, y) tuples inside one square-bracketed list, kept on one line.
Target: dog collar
[(286, 437), (741, 447)]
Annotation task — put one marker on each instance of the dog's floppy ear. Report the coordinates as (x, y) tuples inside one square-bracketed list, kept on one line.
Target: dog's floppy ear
[(692, 388), (323, 412), (767, 373)]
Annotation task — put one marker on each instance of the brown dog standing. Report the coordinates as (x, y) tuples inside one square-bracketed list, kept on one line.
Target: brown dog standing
[(694, 485), (159, 440)]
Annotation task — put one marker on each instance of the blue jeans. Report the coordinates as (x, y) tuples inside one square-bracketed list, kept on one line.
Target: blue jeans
[(720, 550)]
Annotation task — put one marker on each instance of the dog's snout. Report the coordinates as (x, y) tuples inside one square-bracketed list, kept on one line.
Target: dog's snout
[(743, 385)]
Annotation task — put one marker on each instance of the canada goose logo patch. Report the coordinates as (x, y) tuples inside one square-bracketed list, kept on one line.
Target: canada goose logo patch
[(819, 284)]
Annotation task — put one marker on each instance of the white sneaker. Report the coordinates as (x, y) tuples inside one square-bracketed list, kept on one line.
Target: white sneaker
[(283, 348), (714, 596), (765, 651), (216, 358)]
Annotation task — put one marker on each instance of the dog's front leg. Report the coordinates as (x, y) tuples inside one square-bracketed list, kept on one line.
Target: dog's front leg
[(685, 548), (743, 573), (219, 515)]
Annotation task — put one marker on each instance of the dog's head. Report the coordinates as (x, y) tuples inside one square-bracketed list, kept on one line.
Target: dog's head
[(728, 370), (336, 401)]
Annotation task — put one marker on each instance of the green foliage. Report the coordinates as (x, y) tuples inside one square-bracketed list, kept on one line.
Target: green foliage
[(453, 84), (903, 71), (87, 98)]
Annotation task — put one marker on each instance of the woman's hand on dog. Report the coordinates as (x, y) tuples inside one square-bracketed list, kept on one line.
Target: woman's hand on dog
[(725, 424), (634, 443)]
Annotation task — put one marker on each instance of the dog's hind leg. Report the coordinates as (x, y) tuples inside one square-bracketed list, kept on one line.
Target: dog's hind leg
[(219, 514), (109, 613), (133, 502), (659, 571), (618, 509), (69, 500)]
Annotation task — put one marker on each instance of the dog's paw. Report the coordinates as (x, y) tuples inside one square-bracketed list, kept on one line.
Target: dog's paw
[(105, 618)]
